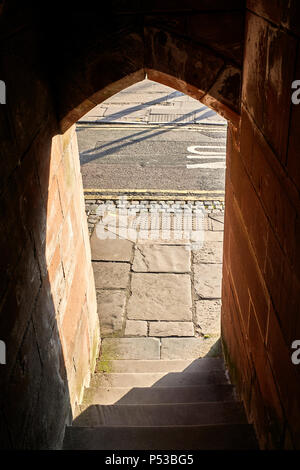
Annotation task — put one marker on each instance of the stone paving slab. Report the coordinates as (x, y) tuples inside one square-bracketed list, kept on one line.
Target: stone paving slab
[(161, 258), (136, 328), (111, 275), (185, 348), (158, 237), (158, 275), (111, 310), (160, 297), (211, 236), (110, 250), (208, 316), (95, 113), (216, 222), (207, 280), (116, 111), (130, 348), (171, 328), (142, 236), (210, 252)]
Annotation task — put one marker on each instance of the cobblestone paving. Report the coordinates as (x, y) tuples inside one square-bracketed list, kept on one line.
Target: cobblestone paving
[(158, 297)]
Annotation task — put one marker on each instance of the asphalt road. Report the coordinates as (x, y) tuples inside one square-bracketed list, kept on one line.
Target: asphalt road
[(150, 137)]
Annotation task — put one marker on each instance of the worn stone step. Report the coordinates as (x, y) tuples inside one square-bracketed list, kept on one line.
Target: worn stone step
[(158, 379), (209, 437), (162, 414), (144, 395), (197, 365), (131, 348), (189, 348)]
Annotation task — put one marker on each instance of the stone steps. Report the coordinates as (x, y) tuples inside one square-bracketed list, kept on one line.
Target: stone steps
[(145, 395), (158, 379), (204, 364), (171, 414), (160, 404), (150, 348), (211, 437)]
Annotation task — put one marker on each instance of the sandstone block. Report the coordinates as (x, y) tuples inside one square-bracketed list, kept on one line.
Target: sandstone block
[(216, 222), (131, 348), (161, 258), (171, 328), (184, 348), (207, 280), (210, 252), (111, 275), (211, 236), (111, 308), (110, 249), (208, 313), (160, 297), (136, 328)]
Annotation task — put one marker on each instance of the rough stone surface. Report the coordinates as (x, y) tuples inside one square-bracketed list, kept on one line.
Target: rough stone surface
[(110, 250), (111, 309), (160, 297), (186, 348), (158, 237), (211, 236), (164, 328), (136, 328), (207, 280), (111, 275), (211, 252), (208, 315), (131, 348), (161, 258), (216, 222)]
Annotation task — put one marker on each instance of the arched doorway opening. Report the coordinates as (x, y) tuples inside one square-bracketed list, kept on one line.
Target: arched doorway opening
[(157, 168), (103, 256)]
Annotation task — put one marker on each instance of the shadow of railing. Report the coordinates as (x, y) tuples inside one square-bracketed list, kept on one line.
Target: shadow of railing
[(116, 145)]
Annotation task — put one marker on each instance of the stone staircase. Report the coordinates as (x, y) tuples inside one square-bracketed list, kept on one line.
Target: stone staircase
[(160, 405)]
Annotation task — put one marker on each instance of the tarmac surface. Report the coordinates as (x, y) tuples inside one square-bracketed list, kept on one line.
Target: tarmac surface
[(152, 137)]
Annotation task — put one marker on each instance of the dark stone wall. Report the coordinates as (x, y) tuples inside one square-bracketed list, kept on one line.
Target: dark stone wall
[(261, 278), (48, 317), (97, 51)]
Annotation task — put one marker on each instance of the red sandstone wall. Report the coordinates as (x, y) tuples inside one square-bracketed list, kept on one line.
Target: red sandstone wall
[(48, 316), (261, 285), (68, 258)]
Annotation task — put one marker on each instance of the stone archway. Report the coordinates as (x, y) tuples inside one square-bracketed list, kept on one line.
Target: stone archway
[(163, 57), (166, 44), (65, 56)]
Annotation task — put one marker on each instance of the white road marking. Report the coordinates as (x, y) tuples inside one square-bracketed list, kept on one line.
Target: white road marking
[(212, 165), (221, 157), (208, 147), (192, 148), (201, 152), (221, 154)]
